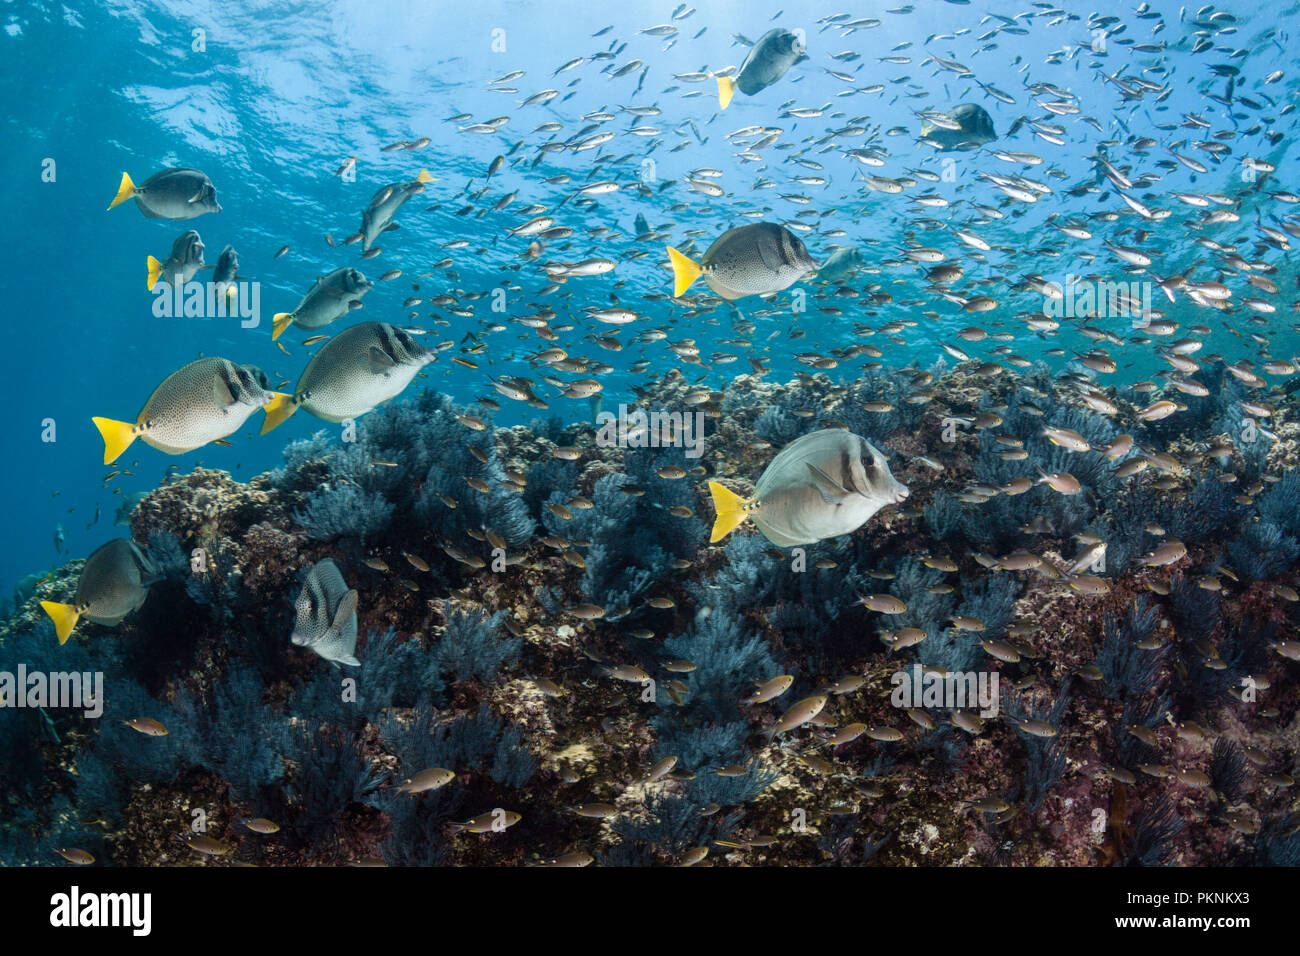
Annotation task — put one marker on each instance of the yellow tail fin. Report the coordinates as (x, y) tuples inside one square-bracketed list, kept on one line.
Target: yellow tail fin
[(124, 191), (424, 177), (685, 271), (726, 90), (279, 322), (280, 407), (155, 270), (731, 511), (117, 437), (64, 617)]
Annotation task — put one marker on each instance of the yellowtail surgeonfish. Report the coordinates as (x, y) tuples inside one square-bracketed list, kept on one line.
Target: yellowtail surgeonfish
[(975, 129), (384, 205), (202, 402), (825, 484), (182, 265), (757, 259), (332, 297), (115, 581), (326, 615), (363, 366), (179, 193), (775, 52)]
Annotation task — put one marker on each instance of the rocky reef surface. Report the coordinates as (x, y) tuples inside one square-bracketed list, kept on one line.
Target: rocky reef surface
[(542, 614)]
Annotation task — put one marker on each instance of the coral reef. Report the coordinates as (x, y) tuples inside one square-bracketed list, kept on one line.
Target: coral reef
[(542, 616)]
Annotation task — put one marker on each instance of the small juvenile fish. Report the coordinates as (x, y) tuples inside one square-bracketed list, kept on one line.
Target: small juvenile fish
[(147, 726), (1063, 482), (426, 780), (660, 770), (846, 734), (884, 734), (1168, 553), (770, 690), (800, 714), (627, 672), (884, 603), (1066, 438), (494, 821), (206, 846)]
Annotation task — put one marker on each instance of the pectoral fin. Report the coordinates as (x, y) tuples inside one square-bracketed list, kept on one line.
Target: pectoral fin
[(380, 361), (221, 394), (832, 491), (347, 607), (767, 251)]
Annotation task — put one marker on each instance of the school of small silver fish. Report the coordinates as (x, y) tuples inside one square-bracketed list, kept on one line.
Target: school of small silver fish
[(1096, 249)]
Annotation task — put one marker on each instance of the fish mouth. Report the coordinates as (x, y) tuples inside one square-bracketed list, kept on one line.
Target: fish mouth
[(901, 493)]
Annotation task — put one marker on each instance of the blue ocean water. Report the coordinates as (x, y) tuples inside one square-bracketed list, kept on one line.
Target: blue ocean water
[(269, 98)]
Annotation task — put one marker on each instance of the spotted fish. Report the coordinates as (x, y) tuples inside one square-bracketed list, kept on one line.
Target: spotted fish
[(769, 59), (332, 297), (114, 582), (825, 484), (202, 402), (326, 611), (182, 265), (976, 129), (384, 205), (179, 193), (757, 259), (361, 367)]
